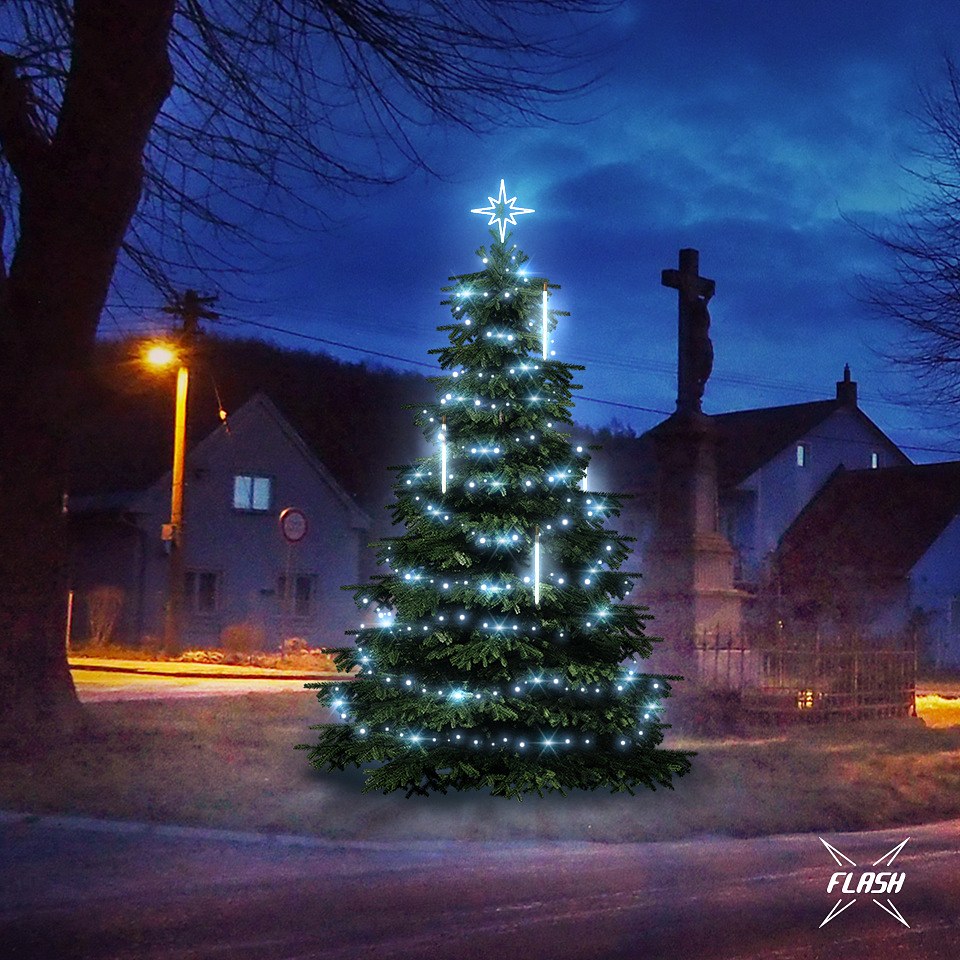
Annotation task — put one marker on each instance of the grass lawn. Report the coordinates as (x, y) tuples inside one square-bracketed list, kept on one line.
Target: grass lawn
[(230, 762)]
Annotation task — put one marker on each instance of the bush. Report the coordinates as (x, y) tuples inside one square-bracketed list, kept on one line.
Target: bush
[(294, 645), (242, 637), (103, 610)]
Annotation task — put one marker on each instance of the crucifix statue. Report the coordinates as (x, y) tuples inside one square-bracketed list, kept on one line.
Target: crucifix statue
[(694, 348)]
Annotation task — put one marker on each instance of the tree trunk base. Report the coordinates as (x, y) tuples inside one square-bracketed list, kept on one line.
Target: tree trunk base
[(41, 707)]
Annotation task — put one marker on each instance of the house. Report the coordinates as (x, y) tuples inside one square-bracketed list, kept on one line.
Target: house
[(770, 463), (880, 549), (240, 570), (828, 519)]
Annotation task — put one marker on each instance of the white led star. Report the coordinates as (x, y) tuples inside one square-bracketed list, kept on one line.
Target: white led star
[(502, 211)]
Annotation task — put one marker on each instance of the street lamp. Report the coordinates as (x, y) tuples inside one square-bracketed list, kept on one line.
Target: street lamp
[(161, 355)]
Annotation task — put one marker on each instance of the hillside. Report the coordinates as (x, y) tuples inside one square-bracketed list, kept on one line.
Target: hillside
[(351, 414)]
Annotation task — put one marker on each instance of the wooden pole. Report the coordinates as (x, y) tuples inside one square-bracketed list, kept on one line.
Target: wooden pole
[(173, 627)]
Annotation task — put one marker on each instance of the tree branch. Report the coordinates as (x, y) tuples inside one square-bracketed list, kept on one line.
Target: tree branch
[(24, 142)]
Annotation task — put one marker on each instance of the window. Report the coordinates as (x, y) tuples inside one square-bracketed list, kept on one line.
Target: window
[(874, 460), (252, 493), (200, 591), (301, 603), (803, 454)]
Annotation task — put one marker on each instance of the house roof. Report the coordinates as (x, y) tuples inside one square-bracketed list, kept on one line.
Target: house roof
[(747, 439), (878, 523), (133, 501), (260, 401)]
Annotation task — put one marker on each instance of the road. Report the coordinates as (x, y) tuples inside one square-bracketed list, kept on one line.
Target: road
[(90, 890), (99, 681)]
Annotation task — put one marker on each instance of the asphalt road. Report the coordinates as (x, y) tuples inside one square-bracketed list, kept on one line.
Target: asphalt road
[(70, 890)]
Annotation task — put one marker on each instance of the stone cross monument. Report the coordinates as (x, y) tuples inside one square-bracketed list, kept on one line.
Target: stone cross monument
[(694, 347), (689, 562)]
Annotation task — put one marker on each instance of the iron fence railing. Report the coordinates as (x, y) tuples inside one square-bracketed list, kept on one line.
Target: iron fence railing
[(812, 679)]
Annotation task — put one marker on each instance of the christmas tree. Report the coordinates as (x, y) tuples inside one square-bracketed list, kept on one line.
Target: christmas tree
[(496, 651)]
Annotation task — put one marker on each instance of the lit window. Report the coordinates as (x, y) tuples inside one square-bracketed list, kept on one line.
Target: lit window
[(252, 493), (803, 454), (300, 604), (200, 591), (874, 460)]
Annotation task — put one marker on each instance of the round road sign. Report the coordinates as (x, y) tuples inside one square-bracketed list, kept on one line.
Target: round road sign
[(293, 524)]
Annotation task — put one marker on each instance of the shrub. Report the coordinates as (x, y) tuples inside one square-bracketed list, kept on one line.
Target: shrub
[(104, 604), (294, 645)]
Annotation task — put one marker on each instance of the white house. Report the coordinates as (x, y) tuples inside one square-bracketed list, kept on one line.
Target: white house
[(771, 462), (240, 569), (827, 514)]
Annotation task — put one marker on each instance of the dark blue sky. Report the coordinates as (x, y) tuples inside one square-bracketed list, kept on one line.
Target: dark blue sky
[(749, 130)]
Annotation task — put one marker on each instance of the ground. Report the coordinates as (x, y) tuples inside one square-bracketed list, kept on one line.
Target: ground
[(230, 762)]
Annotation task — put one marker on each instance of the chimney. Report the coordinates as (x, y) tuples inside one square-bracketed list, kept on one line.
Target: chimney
[(847, 389)]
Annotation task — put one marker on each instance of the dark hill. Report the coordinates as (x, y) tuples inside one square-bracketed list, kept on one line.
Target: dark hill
[(352, 415)]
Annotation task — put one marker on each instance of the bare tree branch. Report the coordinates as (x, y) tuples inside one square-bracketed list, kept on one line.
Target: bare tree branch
[(23, 141), (923, 249), (296, 98)]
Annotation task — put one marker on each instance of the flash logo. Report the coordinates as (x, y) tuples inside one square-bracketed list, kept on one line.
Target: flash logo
[(882, 882)]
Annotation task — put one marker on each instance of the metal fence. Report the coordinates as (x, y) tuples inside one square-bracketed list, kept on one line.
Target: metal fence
[(810, 679)]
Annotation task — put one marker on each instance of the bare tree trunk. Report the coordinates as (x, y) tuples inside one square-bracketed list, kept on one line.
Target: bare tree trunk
[(79, 188)]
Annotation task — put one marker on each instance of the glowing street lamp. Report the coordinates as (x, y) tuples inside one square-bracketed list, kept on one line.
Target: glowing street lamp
[(161, 355)]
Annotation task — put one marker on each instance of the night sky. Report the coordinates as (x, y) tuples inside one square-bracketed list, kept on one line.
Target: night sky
[(752, 131)]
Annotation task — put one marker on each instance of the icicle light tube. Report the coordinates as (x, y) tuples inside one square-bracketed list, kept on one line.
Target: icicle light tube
[(443, 456), (536, 567), (545, 333)]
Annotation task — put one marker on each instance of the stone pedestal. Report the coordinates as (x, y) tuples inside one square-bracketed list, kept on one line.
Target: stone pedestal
[(688, 575)]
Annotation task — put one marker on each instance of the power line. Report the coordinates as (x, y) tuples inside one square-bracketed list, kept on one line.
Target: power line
[(658, 366), (420, 363), (334, 343)]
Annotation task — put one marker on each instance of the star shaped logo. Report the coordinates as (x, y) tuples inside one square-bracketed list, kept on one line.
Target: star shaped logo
[(502, 211), (868, 882)]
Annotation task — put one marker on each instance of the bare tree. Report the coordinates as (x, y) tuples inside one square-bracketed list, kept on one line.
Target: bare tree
[(923, 243), (125, 124), (273, 98)]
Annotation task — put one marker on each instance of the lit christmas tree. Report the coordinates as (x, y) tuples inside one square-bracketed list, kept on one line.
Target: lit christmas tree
[(496, 652)]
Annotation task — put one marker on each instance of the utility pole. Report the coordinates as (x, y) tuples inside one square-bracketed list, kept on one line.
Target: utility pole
[(190, 309)]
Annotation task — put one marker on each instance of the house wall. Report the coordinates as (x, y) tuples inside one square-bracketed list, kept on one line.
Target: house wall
[(107, 552), (761, 508), (935, 589), (246, 549)]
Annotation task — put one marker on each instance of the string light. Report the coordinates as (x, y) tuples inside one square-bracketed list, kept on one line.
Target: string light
[(458, 592)]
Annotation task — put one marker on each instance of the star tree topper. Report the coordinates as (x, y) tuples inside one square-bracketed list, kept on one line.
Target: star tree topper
[(502, 211)]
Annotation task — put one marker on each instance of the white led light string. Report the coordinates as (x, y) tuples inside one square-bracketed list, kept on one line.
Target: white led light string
[(470, 402)]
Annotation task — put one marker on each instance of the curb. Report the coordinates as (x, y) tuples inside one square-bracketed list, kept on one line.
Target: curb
[(159, 831), (181, 675), (133, 828)]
